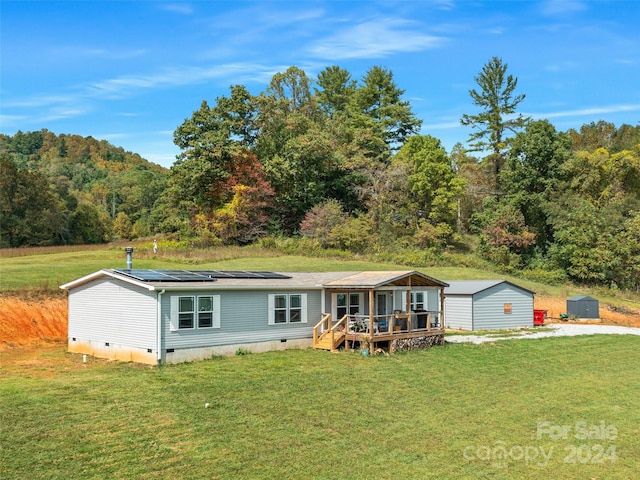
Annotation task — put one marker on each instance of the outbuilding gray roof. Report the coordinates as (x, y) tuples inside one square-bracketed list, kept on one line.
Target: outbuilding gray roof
[(471, 287)]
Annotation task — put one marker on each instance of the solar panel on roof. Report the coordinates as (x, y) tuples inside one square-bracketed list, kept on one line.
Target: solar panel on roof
[(196, 275)]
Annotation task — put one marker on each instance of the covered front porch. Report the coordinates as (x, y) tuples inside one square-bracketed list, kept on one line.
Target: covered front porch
[(388, 310)]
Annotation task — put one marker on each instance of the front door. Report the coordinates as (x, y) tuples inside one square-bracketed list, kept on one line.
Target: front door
[(382, 303)]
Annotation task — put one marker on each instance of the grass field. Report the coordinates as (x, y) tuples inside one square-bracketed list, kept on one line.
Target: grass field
[(445, 412), (486, 411), (33, 309)]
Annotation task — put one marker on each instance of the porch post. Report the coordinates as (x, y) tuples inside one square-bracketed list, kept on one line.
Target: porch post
[(372, 307), (409, 313), (408, 301), (442, 308)]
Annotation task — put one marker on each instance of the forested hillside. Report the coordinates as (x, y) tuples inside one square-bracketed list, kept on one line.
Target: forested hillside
[(343, 163), (67, 189)]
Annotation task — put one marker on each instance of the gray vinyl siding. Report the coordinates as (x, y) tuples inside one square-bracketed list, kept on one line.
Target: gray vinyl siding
[(488, 308), (243, 319), (114, 312), (458, 311)]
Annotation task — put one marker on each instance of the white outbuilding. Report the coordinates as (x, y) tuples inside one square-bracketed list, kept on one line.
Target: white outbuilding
[(487, 305)]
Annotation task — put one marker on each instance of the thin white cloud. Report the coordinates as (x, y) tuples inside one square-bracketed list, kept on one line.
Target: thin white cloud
[(267, 24), (38, 101), (281, 18), (124, 86), (375, 39), (81, 52), (563, 66), (554, 8), (8, 121), (444, 4), (440, 126), (46, 108), (496, 30), (58, 113), (181, 7), (587, 111)]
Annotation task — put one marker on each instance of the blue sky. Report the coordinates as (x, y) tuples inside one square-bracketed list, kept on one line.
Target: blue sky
[(131, 72)]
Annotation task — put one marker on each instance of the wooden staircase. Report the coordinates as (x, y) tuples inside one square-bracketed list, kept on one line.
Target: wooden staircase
[(324, 342)]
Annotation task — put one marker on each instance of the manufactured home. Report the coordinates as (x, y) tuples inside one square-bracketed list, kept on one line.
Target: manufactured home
[(169, 316), (487, 305)]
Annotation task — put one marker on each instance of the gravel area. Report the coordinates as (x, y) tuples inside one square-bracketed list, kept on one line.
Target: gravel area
[(558, 330)]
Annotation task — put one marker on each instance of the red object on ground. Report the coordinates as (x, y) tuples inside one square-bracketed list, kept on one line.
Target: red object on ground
[(538, 317)]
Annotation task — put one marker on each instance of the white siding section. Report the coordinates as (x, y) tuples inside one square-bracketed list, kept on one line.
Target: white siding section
[(244, 318), (488, 308), (433, 299), (458, 310), (109, 311)]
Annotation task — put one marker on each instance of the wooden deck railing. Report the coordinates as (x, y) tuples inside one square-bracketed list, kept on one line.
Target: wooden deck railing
[(392, 324), (356, 326)]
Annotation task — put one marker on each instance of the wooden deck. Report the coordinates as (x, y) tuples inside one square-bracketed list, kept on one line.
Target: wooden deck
[(381, 329)]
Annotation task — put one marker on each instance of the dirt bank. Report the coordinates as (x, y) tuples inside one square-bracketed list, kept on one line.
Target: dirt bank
[(32, 321), (609, 315)]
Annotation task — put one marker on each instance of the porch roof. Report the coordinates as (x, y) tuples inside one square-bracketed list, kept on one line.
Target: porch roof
[(376, 279)]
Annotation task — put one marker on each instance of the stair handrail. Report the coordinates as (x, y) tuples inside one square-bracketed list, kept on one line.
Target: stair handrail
[(340, 322), (332, 331), (326, 320)]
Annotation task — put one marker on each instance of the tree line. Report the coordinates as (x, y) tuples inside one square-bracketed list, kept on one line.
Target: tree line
[(341, 163), (68, 189)]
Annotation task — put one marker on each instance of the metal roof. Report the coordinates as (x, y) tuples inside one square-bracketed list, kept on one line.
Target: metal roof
[(214, 279), (471, 287), (581, 297)]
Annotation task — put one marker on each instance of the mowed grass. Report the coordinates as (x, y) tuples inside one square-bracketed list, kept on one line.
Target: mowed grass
[(47, 268), (50, 268), (437, 413)]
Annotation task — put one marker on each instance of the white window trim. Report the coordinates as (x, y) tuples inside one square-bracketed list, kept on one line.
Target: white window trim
[(334, 303), (414, 298), (272, 308), (174, 324), (215, 311)]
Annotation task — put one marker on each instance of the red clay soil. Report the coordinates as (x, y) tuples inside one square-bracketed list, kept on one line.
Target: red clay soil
[(29, 322), (609, 315)]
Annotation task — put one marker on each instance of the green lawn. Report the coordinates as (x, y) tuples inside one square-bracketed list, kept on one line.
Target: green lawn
[(437, 413), (59, 265)]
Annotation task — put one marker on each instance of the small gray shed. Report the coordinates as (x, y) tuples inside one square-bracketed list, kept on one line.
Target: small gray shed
[(487, 305), (583, 306)]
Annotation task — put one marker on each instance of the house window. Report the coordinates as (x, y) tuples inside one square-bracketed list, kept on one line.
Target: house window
[(191, 312), (289, 308), (417, 301), (280, 309), (347, 303), (295, 308), (205, 312), (507, 308), (186, 312)]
